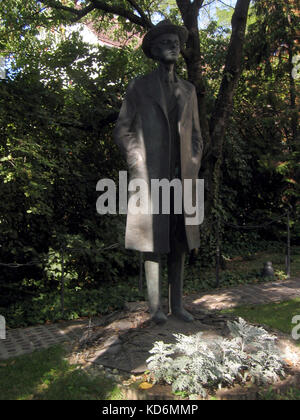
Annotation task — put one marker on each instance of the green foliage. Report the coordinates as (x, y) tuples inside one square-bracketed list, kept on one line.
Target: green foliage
[(55, 144), (47, 375), (261, 155), (246, 243), (224, 16), (78, 302), (195, 364)]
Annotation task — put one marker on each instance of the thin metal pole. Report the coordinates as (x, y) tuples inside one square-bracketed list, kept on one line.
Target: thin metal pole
[(218, 253), (288, 254), (62, 282)]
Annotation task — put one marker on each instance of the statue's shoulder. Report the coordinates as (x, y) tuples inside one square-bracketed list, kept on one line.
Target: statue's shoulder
[(138, 85), (188, 85), (141, 80)]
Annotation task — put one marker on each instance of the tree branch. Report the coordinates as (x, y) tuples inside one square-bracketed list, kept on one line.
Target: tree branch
[(121, 11), (100, 5), (78, 13), (141, 13), (183, 6), (224, 4), (198, 4)]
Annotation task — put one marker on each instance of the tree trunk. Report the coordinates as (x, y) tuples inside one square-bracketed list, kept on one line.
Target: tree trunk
[(214, 131), (194, 63), (224, 103)]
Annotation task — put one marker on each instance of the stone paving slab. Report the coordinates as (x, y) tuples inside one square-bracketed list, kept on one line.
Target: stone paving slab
[(26, 340)]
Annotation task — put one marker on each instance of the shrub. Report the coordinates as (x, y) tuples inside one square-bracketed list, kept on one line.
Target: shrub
[(195, 364)]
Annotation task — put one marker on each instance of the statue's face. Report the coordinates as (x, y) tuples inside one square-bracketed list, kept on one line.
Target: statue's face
[(166, 48)]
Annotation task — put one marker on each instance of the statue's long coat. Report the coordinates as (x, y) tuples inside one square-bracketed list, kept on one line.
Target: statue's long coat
[(143, 133)]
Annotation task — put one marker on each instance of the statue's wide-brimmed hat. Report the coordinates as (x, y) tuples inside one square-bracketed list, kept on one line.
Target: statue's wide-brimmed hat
[(164, 27)]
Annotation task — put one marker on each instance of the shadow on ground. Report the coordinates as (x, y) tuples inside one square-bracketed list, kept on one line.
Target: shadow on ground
[(124, 344)]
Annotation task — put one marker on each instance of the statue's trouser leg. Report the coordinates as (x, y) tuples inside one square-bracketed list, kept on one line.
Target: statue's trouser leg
[(153, 279), (176, 260)]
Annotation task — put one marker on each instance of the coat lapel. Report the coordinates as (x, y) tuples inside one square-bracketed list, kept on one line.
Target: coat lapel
[(182, 95), (155, 90)]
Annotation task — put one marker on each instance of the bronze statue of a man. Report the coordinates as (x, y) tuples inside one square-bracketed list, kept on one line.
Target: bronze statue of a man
[(158, 130)]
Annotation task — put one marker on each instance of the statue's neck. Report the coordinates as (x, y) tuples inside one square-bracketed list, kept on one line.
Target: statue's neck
[(167, 71)]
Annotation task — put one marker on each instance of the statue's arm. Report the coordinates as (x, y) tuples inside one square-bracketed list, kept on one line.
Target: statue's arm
[(197, 139), (124, 133)]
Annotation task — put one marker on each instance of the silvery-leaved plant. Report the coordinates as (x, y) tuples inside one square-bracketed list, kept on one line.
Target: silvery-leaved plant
[(194, 364)]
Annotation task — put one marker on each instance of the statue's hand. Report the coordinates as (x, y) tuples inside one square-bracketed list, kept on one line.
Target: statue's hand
[(134, 159)]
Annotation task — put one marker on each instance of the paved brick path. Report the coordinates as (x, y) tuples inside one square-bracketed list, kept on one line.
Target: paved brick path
[(26, 340), (246, 294)]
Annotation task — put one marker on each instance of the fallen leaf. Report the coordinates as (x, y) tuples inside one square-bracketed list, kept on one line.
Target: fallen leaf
[(145, 385)]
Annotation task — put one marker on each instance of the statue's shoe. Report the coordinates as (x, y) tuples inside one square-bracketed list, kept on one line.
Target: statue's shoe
[(159, 317), (183, 315)]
